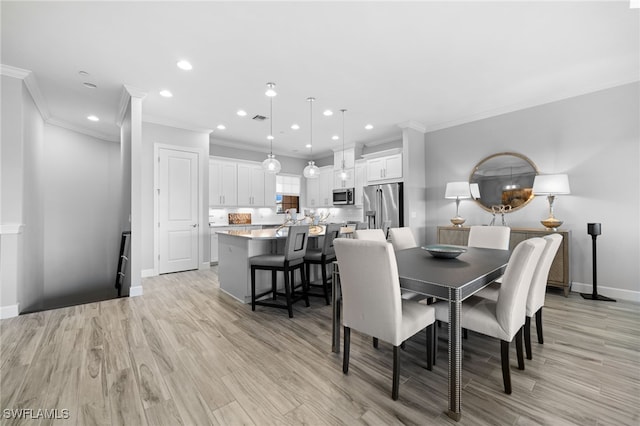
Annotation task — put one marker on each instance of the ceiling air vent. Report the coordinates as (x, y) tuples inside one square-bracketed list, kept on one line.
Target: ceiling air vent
[(259, 117)]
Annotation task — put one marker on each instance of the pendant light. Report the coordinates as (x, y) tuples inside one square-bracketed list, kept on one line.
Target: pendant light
[(271, 165), (343, 173), (311, 171)]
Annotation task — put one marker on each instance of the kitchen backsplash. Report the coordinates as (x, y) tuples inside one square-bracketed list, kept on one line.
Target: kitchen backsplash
[(266, 216)]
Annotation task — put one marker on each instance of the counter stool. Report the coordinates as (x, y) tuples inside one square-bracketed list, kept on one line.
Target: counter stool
[(323, 256), (295, 249)]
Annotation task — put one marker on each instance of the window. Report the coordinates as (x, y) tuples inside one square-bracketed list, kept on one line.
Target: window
[(287, 193)]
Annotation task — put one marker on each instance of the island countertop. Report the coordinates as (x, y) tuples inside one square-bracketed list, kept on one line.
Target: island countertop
[(274, 234)]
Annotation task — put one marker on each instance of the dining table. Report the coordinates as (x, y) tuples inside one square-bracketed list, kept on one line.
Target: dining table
[(450, 279)]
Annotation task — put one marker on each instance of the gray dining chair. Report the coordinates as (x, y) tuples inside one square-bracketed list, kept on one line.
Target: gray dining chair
[(371, 302), (537, 291), (322, 256), (503, 318), (292, 259)]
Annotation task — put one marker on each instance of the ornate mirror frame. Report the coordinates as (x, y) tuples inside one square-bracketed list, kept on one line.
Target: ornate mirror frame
[(505, 178)]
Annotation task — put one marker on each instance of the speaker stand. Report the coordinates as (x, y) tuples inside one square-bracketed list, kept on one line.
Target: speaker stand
[(594, 295)]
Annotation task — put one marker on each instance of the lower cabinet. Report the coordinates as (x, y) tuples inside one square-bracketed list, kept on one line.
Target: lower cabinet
[(559, 274)]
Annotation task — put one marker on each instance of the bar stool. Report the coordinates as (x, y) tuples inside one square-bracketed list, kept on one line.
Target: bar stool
[(323, 256), (295, 249)]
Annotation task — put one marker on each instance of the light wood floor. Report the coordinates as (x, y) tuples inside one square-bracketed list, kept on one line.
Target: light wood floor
[(186, 353)]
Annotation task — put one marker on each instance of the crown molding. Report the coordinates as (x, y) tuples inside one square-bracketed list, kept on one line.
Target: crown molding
[(135, 92), (173, 123), (14, 72), (98, 135), (123, 104), (413, 125), (32, 86)]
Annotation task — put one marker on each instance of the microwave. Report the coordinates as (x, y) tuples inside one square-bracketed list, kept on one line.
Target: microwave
[(343, 196)]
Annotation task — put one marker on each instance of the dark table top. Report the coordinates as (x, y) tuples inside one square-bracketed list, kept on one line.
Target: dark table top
[(422, 273)]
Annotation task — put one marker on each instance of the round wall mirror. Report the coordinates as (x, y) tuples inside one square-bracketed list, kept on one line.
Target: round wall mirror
[(504, 179)]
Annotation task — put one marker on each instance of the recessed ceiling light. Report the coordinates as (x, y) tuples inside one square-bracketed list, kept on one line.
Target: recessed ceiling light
[(89, 85), (270, 137), (166, 94), (308, 145), (368, 127), (335, 137), (241, 113), (92, 118), (221, 127), (184, 65), (328, 112), (295, 126)]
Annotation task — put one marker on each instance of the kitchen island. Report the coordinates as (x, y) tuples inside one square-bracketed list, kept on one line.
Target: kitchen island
[(236, 247)]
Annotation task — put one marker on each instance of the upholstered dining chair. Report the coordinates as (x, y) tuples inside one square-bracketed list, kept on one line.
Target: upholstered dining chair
[(494, 237), (537, 290), (322, 256), (371, 302), (502, 319), (369, 234), (402, 238), (295, 248)]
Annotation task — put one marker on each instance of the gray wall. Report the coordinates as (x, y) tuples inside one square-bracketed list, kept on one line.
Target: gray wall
[(593, 138), (158, 134), (82, 217)]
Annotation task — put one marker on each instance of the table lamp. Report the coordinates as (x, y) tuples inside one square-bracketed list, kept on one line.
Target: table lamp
[(551, 185), (457, 191)]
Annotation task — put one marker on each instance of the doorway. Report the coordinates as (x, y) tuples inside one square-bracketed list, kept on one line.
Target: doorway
[(177, 210)]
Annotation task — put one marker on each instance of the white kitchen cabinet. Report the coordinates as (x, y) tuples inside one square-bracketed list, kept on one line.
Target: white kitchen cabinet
[(223, 190), (270, 190), (339, 183), (360, 180), (325, 187), (384, 168), (251, 185), (349, 159), (313, 192)]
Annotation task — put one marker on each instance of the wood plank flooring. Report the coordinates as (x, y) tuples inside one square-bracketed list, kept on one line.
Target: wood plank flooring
[(186, 353)]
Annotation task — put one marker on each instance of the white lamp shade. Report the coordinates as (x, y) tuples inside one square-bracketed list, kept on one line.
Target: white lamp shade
[(457, 190), (311, 171), (551, 185), (271, 165)]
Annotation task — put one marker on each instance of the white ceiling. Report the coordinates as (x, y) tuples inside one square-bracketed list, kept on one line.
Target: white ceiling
[(435, 64)]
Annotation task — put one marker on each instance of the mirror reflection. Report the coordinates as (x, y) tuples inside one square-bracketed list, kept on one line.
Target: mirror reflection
[(504, 179)]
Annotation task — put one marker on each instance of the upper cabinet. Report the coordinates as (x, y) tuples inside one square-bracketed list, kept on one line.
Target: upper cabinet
[(250, 185), (349, 159), (360, 180), (339, 183), (223, 183), (240, 184), (320, 189), (384, 168)]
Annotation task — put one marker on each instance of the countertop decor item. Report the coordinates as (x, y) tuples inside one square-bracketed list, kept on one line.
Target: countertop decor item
[(457, 191), (551, 185), (444, 251)]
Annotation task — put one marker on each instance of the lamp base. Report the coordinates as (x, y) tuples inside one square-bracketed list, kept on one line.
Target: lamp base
[(458, 221), (552, 223)]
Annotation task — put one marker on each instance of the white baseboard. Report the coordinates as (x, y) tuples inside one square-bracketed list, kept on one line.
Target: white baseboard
[(148, 273), (9, 311), (135, 291), (615, 293), (204, 266)]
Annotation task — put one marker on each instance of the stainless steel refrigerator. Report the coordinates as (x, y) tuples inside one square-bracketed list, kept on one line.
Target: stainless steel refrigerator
[(383, 203)]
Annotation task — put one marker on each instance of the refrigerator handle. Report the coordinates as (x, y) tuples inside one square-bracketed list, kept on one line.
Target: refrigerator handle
[(380, 203)]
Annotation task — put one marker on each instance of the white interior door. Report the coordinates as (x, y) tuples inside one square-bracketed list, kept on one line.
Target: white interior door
[(178, 211)]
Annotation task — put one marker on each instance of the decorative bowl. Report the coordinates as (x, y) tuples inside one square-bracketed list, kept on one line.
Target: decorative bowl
[(444, 251)]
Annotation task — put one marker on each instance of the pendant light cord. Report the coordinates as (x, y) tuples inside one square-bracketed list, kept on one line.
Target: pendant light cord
[(343, 111), (311, 99), (271, 125)]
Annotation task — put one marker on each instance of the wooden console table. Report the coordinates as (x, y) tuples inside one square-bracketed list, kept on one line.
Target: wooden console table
[(560, 273)]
